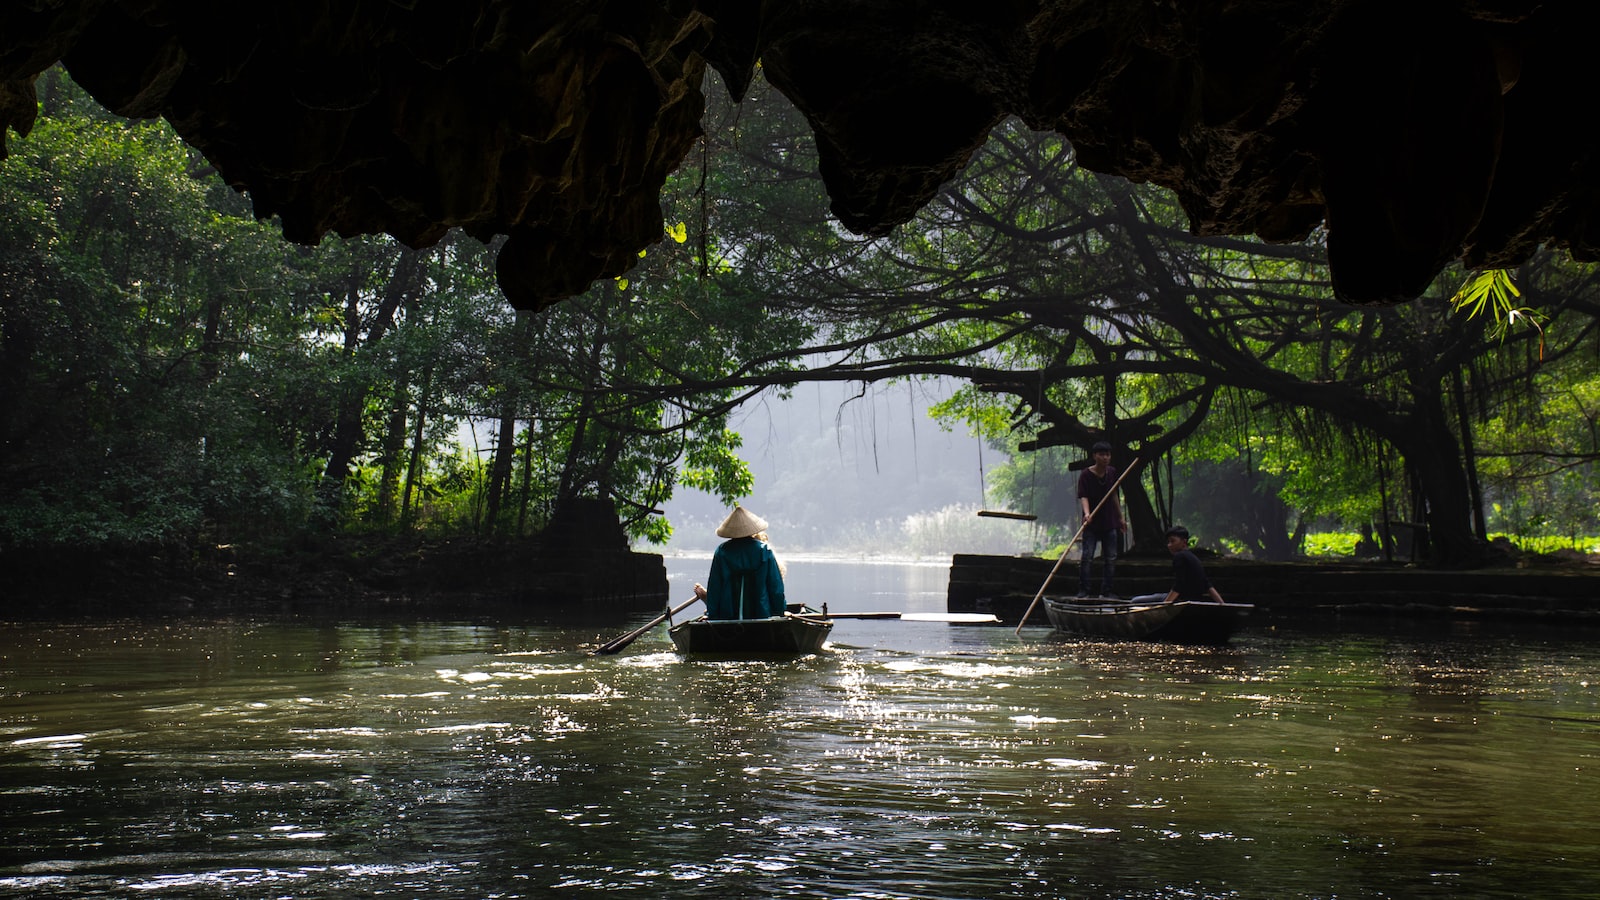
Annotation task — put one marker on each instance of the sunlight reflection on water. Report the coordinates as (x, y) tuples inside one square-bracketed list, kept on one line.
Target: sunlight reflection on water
[(908, 760)]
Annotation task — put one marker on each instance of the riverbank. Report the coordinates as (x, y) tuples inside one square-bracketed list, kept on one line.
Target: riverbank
[(375, 575), (338, 574), (1545, 589)]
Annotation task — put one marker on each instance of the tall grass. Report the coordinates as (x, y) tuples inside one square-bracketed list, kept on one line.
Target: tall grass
[(959, 529)]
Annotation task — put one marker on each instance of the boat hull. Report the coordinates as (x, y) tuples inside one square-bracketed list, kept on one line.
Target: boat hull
[(790, 635), (1184, 622)]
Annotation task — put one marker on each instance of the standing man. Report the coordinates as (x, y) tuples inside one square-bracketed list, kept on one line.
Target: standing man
[(1096, 483)]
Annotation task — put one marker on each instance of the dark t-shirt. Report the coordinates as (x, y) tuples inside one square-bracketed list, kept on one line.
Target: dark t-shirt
[(1095, 488), (1188, 576)]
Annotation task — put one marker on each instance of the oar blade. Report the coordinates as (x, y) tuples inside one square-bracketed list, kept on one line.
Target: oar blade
[(616, 644), (953, 618)]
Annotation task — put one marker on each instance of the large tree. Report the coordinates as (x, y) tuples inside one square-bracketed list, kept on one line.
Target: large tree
[(169, 366), (1086, 303)]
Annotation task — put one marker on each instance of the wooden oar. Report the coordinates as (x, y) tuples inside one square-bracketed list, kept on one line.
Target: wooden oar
[(616, 644), (955, 618), (1006, 514), (1075, 535)]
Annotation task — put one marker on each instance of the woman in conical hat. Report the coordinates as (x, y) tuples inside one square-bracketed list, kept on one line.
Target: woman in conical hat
[(746, 581)]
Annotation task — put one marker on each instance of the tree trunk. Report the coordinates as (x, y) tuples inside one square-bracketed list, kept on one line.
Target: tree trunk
[(505, 451), (404, 282), (211, 341), (1431, 450), (1145, 530), (573, 476), (414, 462), (17, 343), (347, 419), (525, 500), (1469, 454), (394, 447), (1272, 527)]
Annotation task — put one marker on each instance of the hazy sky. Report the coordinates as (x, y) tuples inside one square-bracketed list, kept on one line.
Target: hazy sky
[(830, 455)]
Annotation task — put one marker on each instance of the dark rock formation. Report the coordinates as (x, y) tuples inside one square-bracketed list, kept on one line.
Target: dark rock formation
[(1418, 133)]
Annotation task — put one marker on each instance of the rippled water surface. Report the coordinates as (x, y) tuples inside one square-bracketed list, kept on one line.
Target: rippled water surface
[(910, 760)]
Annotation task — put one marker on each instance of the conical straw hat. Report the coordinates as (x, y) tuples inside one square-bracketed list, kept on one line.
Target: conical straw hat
[(741, 523)]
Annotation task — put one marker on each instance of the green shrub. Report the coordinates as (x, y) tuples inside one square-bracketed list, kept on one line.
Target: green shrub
[(1328, 544), (1550, 543)]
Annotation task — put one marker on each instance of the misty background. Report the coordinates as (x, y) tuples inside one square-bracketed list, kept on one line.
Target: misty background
[(847, 470)]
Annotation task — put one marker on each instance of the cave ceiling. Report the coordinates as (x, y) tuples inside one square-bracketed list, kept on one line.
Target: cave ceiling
[(1415, 133)]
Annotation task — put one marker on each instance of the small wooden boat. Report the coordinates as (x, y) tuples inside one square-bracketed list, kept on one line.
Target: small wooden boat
[(797, 632), (1183, 621)]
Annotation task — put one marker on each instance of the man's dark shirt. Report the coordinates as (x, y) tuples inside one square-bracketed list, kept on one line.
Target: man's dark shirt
[(1095, 488), (1188, 576)]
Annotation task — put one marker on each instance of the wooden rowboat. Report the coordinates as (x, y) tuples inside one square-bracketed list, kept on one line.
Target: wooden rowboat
[(797, 632), (1183, 622)]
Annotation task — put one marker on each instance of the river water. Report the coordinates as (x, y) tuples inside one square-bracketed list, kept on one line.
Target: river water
[(323, 759)]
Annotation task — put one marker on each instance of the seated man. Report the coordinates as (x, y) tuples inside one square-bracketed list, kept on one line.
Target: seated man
[(746, 581), (1189, 581)]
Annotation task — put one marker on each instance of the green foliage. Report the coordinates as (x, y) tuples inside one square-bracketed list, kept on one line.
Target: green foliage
[(1054, 551), (1494, 292), (1537, 456), (1331, 545), (121, 421), (1549, 544), (1342, 545), (1223, 351), (171, 370), (711, 466), (985, 419), (1040, 483), (209, 379)]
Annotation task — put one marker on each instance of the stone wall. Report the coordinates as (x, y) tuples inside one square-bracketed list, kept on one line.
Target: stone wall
[(1006, 585)]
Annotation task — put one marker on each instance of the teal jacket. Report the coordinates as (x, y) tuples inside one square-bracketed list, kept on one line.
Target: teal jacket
[(745, 582)]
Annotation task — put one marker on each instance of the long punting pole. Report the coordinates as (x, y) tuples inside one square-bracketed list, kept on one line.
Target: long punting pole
[(1079, 533)]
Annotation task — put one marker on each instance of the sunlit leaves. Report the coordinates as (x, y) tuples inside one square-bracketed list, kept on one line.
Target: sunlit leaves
[(1493, 292), (713, 466)]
